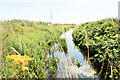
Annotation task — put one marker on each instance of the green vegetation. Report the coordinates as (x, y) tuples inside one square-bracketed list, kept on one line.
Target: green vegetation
[(25, 45), (34, 39), (99, 41)]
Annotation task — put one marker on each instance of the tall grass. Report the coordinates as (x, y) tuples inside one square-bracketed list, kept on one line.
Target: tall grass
[(33, 39)]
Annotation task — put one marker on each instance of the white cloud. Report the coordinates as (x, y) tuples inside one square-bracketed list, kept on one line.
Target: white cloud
[(85, 70)]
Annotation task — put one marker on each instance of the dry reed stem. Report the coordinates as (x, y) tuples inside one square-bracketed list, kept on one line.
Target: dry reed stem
[(61, 49), (70, 75), (87, 44), (101, 69), (107, 70), (14, 50), (58, 57), (20, 45), (103, 63), (111, 72), (64, 60)]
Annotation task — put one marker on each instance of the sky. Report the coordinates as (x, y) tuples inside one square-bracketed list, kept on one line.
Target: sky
[(58, 11)]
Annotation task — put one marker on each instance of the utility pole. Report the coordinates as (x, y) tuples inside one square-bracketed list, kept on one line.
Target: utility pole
[(119, 10), (119, 30), (119, 16)]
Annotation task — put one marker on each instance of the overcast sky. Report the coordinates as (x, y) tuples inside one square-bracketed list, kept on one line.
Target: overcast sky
[(63, 11)]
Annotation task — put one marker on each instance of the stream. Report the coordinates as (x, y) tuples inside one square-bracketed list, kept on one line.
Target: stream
[(65, 68)]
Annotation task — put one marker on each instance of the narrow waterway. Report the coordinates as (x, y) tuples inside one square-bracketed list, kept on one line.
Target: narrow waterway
[(65, 67)]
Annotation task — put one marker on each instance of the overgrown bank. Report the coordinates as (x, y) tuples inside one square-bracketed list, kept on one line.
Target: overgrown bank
[(33, 39), (99, 41)]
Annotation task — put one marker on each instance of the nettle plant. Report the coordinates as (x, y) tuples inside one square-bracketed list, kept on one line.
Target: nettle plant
[(103, 44)]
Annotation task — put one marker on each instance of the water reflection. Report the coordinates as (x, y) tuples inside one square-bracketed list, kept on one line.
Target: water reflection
[(65, 68)]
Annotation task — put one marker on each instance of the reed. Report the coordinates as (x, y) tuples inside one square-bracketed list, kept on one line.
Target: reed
[(33, 39)]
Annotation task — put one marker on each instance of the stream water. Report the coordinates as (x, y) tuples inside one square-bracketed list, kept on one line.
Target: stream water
[(65, 68)]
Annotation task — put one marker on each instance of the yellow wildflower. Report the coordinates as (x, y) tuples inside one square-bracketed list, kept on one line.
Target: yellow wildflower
[(25, 62), (8, 56), (19, 60), (24, 68), (26, 58), (31, 59), (16, 64)]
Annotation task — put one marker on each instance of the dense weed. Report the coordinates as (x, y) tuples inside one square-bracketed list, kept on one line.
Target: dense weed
[(103, 45), (34, 39)]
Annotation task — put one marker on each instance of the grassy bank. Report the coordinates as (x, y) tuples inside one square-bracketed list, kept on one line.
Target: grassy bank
[(99, 42), (33, 39)]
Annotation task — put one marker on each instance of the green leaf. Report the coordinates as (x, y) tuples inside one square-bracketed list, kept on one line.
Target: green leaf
[(96, 55)]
